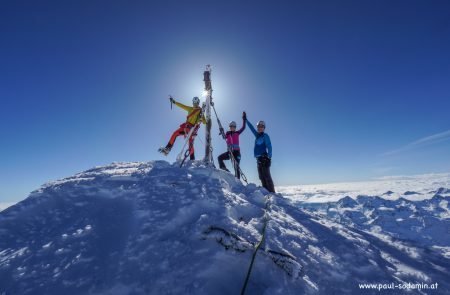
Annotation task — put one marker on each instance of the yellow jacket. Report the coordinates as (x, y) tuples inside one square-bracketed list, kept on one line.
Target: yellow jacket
[(193, 113)]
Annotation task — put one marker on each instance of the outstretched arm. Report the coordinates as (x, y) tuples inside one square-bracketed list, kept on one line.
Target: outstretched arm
[(184, 107), (251, 128), (268, 145)]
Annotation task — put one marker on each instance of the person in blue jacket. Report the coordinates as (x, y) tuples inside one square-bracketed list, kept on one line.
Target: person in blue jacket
[(263, 154)]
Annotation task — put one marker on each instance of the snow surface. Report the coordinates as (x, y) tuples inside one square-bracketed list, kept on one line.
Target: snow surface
[(154, 228)]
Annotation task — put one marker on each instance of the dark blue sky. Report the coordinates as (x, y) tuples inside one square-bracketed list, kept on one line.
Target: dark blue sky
[(350, 90)]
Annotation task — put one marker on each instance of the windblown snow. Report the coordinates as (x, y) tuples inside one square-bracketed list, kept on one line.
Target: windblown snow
[(3, 206), (154, 228)]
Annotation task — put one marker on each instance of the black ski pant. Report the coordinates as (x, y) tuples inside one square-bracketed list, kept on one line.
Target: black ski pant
[(226, 156), (264, 173)]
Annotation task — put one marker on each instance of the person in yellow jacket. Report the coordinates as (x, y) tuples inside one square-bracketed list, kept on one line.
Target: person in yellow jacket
[(191, 120)]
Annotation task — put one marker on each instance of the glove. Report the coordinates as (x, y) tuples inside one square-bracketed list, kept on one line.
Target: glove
[(244, 116)]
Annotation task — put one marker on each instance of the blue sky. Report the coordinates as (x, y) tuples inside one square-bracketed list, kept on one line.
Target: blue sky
[(350, 90)]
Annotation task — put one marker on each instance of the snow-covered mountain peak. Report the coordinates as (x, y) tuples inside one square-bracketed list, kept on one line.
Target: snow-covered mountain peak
[(155, 228), (347, 202)]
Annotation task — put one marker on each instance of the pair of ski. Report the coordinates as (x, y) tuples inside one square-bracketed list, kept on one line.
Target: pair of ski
[(237, 167)]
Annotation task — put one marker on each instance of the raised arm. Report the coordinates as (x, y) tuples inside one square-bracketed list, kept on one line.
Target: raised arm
[(252, 128), (268, 145), (184, 107), (244, 117)]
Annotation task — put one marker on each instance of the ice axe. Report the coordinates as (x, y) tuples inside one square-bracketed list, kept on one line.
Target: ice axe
[(171, 101)]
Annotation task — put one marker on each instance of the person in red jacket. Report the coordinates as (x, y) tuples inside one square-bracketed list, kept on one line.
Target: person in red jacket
[(192, 119), (232, 138)]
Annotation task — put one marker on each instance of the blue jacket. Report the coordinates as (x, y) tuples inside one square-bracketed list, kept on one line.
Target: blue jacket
[(262, 142)]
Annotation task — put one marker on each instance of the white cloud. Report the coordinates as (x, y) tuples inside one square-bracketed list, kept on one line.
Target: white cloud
[(428, 140)]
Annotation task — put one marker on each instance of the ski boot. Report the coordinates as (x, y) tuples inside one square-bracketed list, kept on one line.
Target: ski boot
[(166, 150), (224, 168)]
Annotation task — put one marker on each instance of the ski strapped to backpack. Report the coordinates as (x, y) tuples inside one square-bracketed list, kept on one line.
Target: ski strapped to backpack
[(236, 165), (185, 153)]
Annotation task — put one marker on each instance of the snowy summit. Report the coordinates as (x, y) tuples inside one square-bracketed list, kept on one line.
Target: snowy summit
[(155, 228)]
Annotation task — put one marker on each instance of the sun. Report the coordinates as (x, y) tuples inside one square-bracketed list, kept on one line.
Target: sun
[(205, 93)]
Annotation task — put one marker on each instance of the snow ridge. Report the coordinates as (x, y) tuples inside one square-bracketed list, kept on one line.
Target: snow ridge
[(154, 228)]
